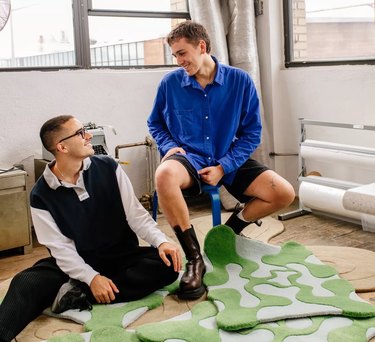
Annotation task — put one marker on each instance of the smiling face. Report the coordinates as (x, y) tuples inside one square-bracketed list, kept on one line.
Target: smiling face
[(73, 140), (188, 55)]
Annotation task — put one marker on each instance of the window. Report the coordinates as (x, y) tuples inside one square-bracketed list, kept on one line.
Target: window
[(89, 33), (38, 33), (329, 32)]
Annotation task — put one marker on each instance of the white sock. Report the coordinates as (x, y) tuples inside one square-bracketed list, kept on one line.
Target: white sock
[(240, 216)]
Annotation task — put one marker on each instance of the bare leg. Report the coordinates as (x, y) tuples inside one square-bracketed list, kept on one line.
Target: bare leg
[(271, 192), (170, 178)]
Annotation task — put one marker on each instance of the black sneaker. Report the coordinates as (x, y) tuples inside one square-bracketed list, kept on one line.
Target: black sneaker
[(70, 296)]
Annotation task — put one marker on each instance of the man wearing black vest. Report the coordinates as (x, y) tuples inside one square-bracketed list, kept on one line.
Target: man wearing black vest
[(85, 212)]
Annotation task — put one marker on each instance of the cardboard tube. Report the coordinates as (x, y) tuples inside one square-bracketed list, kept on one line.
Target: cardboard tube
[(353, 158), (325, 199)]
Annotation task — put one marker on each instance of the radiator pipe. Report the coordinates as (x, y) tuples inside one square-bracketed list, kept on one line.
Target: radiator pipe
[(147, 142)]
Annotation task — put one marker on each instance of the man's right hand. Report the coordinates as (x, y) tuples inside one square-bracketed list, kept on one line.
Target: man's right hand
[(172, 151), (103, 289)]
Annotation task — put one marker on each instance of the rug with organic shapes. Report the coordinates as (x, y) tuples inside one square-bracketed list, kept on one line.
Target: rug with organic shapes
[(270, 227), (252, 282), (200, 325), (117, 315), (114, 332), (259, 292)]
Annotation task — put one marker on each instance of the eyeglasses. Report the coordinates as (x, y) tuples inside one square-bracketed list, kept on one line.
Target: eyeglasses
[(81, 132)]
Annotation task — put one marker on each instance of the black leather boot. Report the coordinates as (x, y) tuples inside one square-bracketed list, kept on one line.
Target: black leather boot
[(236, 223), (191, 283)]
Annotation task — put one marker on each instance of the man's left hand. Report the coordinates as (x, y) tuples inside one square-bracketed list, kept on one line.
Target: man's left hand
[(167, 248)]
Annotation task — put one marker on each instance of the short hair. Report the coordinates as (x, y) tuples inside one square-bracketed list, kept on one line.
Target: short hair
[(192, 32), (50, 128)]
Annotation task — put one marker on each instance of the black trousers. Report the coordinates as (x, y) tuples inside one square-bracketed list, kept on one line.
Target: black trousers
[(34, 289)]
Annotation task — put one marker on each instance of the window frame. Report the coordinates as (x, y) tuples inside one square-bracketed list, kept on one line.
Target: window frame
[(288, 45), (82, 9)]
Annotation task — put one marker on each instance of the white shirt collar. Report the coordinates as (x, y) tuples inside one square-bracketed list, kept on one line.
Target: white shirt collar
[(53, 182)]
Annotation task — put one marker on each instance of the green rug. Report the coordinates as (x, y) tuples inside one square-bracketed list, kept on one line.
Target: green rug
[(117, 315), (200, 325), (252, 282), (257, 292)]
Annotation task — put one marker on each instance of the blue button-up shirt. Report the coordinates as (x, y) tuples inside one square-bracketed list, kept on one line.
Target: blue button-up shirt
[(217, 125)]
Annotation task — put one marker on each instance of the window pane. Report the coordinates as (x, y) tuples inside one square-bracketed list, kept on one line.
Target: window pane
[(333, 30), (38, 33), (130, 41), (144, 5)]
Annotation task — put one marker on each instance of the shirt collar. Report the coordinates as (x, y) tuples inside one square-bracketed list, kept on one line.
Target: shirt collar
[(219, 77), (53, 182)]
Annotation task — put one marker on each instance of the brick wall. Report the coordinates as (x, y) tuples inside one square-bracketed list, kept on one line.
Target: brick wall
[(299, 30)]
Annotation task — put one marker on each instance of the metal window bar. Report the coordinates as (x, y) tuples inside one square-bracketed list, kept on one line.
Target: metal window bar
[(82, 9), (288, 45)]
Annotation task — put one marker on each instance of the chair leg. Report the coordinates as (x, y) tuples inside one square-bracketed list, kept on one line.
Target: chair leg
[(215, 205), (155, 206)]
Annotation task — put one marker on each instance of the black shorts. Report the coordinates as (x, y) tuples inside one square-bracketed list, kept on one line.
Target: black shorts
[(245, 175)]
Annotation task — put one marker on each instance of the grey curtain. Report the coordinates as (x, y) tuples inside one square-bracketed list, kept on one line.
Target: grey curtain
[(231, 26)]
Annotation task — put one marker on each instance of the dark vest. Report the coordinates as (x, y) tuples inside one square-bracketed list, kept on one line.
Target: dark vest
[(98, 224)]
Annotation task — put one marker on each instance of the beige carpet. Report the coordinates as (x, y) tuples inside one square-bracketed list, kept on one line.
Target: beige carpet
[(353, 264), (348, 262)]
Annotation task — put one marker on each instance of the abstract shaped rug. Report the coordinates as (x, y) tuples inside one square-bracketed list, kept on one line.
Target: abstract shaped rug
[(270, 227), (116, 315), (252, 282), (279, 268), (200, 324)]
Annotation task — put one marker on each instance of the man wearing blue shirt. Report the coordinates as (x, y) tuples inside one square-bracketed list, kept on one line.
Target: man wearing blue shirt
[(206, 123)]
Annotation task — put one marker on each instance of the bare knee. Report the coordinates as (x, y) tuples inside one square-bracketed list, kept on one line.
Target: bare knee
[(165, 177), (284, 196), (172, 175)]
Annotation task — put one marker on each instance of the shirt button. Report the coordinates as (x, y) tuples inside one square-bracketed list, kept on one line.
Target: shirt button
[(208, 138), (206, 117), (209, 158), (205, 95)]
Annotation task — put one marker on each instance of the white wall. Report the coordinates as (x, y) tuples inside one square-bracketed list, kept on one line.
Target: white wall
[(122, 99), (344, 94)]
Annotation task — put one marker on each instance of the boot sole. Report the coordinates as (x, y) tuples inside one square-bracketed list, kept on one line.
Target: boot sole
[(193, 294)]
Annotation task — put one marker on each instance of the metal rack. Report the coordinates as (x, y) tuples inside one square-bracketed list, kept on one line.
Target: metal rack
[(304, 123)]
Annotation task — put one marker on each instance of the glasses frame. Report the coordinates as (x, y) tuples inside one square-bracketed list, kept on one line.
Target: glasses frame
[(82, 132)]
